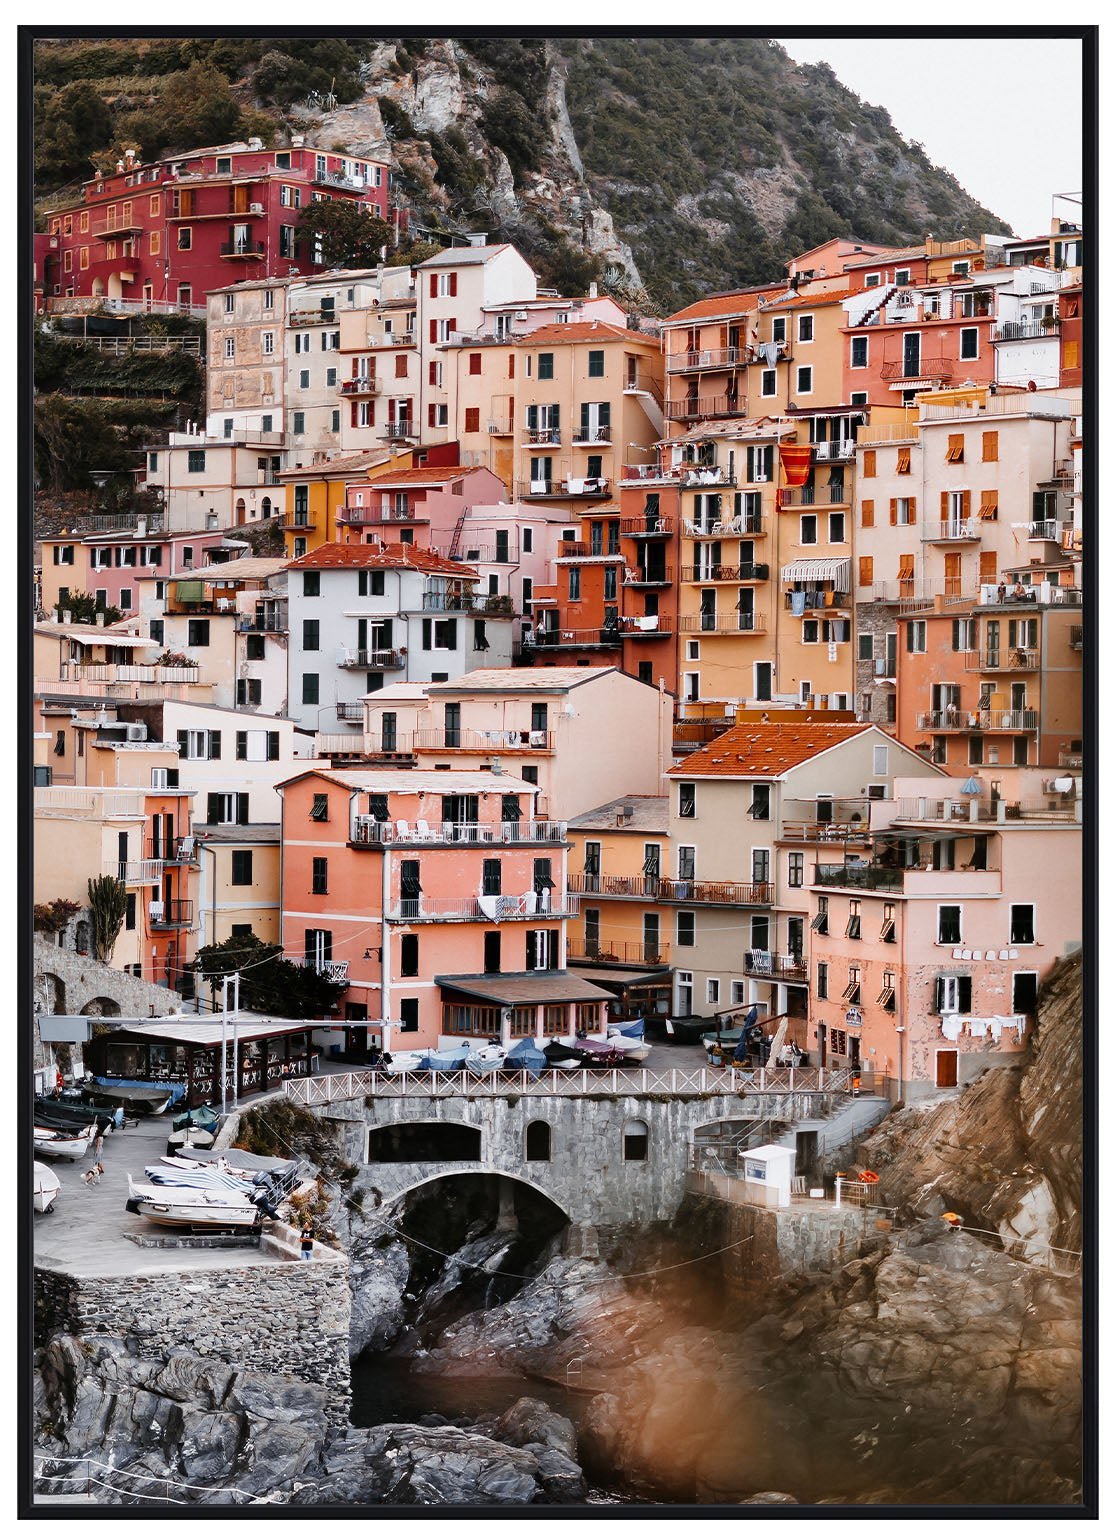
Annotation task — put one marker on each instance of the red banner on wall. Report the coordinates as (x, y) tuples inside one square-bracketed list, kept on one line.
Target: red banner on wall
[(796, 461)]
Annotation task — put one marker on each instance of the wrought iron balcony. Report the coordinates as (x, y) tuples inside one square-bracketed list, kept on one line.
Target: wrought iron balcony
[(178, 914)]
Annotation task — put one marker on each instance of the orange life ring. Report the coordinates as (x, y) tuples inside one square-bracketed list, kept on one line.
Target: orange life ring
[(868, 1176)]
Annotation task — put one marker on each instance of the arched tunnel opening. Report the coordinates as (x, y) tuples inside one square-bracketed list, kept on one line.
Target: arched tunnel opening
[(416, 1143)]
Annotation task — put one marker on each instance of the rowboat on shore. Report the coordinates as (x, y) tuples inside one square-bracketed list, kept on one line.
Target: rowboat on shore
[(51, 1113), (205, 1208), (47, 1188), (72, 1143)]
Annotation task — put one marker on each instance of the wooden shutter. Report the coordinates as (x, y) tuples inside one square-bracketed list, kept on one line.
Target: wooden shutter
[(906, 569), (866, 571), (472, 419), (869, 462), (867, 513), (991, 446), (241, 807), (214, 745), (944, 507), (353, 409), (988, 565), (903, 466), (433, 372), (475, 363), (912, 510), (955, 452), (431, 415), (433, 286), (453, 291), (272, 745), (433, 331), (183, 743), (989, 504), (894, 510), (213, 807), (966, 505), (401, 367)]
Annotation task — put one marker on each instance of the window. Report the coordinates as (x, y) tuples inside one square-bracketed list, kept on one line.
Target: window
[(836, 529), (859, 353), (796, 869), (195, 460), (990, 447), (408, 957), (969, 342), (299, 422), (408, 1015), (954, 454), (953, 994), (852, 928), (760, 802), (1022, 924), (760, 866), (868, 462), (197, 633), (310, 686), (887, 932), (871, 281), (687, 862), (311, 585), (249, 692), (185, 238), (851, 995), (805, 328), (686, 928), (636, 1139), (712, 991), (805, 380), (880, 754), (596, 364), (268, 299), (303, 379), (492, 883), (948, 925), (915, 636), (810, 632), (768, 382), (320, 876), (822, 981), (808, 529), (241, 868), (820, 921), (687, 799), (311, 635), (1024, 994)]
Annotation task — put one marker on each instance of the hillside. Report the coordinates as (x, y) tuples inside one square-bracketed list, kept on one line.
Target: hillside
[(664, 166)]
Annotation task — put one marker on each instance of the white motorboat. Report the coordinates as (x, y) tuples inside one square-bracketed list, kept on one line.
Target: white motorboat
[(634, 1050), (486, 1060), (57, 1141), (47, 1188), (407, 1062), (204, 1207)]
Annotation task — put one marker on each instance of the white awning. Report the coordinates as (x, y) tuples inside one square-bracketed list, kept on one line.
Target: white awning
[(836, 571)]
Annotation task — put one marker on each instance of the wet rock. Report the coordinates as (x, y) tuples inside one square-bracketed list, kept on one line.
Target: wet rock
[(533, 1422), (406, 1463)]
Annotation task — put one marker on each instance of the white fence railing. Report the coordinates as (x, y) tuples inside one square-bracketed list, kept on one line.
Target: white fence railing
[(320, 1090), (90, 801)]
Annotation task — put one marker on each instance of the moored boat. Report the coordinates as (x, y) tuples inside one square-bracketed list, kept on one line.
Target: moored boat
[(47, 1188), (60, 1141), (633, 1049), (150, 1096), (189, 1207)]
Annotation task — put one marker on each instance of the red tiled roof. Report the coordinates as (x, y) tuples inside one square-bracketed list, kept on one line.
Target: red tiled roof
[(739, 302), (584, 331), (423, 477), (335, 555), (767, 748), (811, 301)]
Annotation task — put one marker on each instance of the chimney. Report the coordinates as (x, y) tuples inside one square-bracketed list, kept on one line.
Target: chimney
[(593, 291), (67, 617), (99, 618)]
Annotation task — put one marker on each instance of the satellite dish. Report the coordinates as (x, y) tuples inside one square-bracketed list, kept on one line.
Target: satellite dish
[(1031, 385), (1064, 783)]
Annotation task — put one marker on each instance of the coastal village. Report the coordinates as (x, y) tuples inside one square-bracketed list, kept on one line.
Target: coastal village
[(652, 744)]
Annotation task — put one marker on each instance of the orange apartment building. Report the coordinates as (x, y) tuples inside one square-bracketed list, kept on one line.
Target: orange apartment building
[(439, 898), (927, 950)]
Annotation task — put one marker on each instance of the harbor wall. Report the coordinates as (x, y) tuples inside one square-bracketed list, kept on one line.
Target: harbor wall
[(291, 1318)]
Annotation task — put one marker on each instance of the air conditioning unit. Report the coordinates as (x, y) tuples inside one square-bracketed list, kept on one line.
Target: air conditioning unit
[(519, 315), (760, 476), (136, 732), (255, 208)]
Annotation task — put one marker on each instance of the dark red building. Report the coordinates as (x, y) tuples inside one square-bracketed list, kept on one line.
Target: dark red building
[(160, 235)]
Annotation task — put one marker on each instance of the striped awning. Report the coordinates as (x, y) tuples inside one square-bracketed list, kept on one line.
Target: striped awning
[(834, 570)]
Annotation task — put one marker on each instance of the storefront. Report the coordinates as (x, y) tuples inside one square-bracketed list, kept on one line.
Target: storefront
[(257, 1056)]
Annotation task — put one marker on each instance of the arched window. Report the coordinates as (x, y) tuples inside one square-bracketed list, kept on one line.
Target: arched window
[(636, 1136), (265, 508), (538, 1140), (241, 510)]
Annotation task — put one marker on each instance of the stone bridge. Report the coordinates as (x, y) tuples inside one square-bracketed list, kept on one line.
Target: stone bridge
[(604, 1153)]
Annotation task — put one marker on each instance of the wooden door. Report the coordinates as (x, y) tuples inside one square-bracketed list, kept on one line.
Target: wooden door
[(946, 1068)]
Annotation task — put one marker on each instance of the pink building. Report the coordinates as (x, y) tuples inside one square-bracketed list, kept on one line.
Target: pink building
[(111, 565), (927, 951), (439, 898), (426, 506)]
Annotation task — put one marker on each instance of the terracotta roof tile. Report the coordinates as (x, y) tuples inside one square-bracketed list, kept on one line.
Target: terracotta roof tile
[(738, 302), (762, 749), (584, 331), (427, 474), (328, 557)]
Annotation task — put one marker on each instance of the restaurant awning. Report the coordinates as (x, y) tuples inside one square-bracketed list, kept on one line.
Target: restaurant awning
[(834, 570), (541, 988)]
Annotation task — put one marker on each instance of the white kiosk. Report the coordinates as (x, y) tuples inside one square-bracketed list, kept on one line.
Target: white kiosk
[(767, 1173)]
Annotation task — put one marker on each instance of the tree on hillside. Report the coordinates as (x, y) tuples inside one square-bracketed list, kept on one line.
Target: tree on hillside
[(268, 981), (348, 236)]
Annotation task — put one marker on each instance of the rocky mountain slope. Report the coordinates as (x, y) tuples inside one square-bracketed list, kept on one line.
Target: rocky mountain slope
[(666, 167)]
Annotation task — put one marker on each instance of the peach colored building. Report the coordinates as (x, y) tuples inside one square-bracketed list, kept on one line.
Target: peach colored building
[(927, 949), (422, 891)]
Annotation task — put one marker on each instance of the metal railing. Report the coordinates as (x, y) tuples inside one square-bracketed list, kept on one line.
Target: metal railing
[(367, 830), (139, 873), (604, 637), (744, 524), (951, 529), (472, 604), (356, 513), (635, 577), (320, 1090), (469, 741), (704, 358), (749, 572), (501, 427), (1003, 660), (776, 965), (927, 369), (815, 497), (251, 249), (392, 657), (722, 625), (93, 304), (129, 673), (602, 949), (178, 914), (648, 472), (362, 385), (1021, 331), (694, 407), (587, 548), (91, 801), (492, 907), (542, 435), (645, 526), (672, 890)]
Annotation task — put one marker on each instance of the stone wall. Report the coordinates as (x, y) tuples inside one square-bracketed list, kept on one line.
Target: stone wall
[(768, 1246), (66, 982), (291, 1318), (587, 1175)]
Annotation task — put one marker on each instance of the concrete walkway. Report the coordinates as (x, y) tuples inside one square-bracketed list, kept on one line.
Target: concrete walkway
[(87, 1232)]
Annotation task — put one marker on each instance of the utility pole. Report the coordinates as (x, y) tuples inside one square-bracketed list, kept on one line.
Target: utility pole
[(235, 1041), (224, 1038)]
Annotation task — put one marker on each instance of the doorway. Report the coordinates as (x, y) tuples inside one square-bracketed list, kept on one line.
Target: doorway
[(946, 1068)]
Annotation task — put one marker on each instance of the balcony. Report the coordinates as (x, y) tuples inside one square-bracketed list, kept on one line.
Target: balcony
[(749, 572), (973, 810), (139, 874), (391, 340), (1026, 331), (636, 578), (645, 527), (370, 832), (395, 432), (535, 436), (602, 949), (1048, 529), (604, 637), (927, 369), (178, 914), (356, 513), (1006, 660), (835, 449), (822, 599), (814, 497), (666, 890), (472, 604), (953, 719), (245, 251), (787, 967), (951, 532), (128, 673), (745, 525), (350, 711), (598, 435), (374, 658), (97, 802), (465, 741), (693, 408), (705, 476), (723, 625), (489, 907), (500, 427), (633, 474), (181, 852), (705, 358), (1024, 721), (571, 486), (588, 549), (274, 620), (887, 879), (362, 385), (316, 315), (298, 521)]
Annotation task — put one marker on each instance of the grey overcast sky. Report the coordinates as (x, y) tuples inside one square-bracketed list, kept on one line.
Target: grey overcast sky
[(1002, 114)]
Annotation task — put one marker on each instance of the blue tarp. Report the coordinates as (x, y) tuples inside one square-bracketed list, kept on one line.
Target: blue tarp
[(525, 1055), (452, 1058), (632, 1029), (155, 1087)]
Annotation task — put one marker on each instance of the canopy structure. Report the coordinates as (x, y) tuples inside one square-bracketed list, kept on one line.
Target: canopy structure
[(834, 570)]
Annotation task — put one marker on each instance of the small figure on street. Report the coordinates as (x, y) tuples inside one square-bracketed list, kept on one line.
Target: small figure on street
[(307, 1241)]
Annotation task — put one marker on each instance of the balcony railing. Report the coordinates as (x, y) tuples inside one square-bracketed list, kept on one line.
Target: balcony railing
[(648, 472), (673, 891), (181, 852), (275, 620), (356, 513), (927, 369), (747, 525), (705, 476), (835, 449), (466, 741), (250, 250), (489, 907), (140, 874), (749, 572), (652, 954), (129, 673), (599, 435), (90, 801), (370, 831), (500, 427), (362, 385), (952, 719), (365, 745), (542, 436), (1022, 331), (177, 915), (886, 878), (391, 340), (704, 358), (1005, 660), (965, 810), (646, 528), (399, 428), (635, 577), (392, 657), (1048, 529), (722, 625), (605, 637), (473, 604), (786, 966), (350, 711), (692, 408), (950, 531), (588, 548)]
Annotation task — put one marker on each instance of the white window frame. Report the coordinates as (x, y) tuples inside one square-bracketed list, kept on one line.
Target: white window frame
[(230, 348), (801, 529), (764, 376), (807, 316), (852, 352), (968, 331), (799, 388), (1033, 908), (712, 991), (880, 759), (841, 539), (778, 328), (268, 344)]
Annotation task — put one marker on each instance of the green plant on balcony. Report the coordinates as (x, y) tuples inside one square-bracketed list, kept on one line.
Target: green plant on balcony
[(175, 660), (84, 608), (108, 901)]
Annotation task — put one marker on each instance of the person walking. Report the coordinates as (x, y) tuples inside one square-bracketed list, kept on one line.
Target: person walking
[(307, 1241)]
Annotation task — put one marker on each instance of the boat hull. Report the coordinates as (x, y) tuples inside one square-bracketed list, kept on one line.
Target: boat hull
[(194, 1217), (57, 1143), (47, 1188)]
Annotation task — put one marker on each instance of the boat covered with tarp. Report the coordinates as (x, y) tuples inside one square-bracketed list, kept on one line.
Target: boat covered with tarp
[(152, 1096)]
